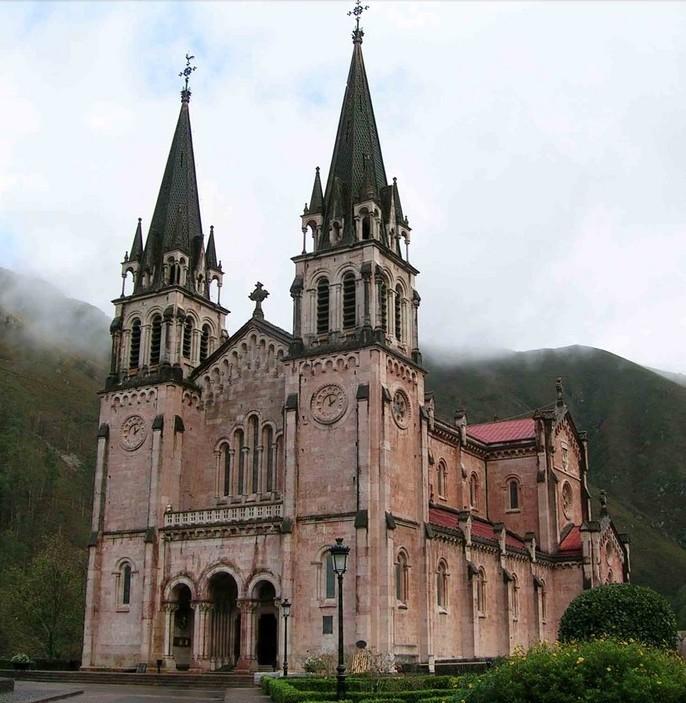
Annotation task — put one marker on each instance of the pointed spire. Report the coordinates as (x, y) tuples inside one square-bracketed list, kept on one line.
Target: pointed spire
[(137, 246), (559, 392), (399, 217), (317, 198), (211, 252)]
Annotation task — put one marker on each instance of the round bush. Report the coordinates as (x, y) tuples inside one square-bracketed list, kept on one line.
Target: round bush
[(602, 671), (621, 611)]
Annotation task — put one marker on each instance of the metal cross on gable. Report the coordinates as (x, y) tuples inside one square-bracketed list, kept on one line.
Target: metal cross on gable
[(258, 296), (188, 70), (357, 11)]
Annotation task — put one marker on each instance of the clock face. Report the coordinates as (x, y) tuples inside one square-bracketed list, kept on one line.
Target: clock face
[(329, 403), (133, 432), (400, 406)]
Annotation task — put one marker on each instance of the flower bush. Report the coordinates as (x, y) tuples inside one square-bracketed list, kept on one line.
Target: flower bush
[(621, 611), (21, 658), (601, 671)]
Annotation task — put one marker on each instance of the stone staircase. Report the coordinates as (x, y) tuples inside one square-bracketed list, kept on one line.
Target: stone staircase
[(210, 680)]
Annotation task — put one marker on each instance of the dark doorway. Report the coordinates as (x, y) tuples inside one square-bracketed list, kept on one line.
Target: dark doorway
[(266, 639)]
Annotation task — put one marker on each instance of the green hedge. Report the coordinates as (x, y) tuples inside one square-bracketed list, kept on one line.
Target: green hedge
[(621, 611)]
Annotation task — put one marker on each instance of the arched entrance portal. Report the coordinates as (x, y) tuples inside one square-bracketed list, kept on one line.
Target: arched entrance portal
[(266, 620), (182, 629), (225, 621)]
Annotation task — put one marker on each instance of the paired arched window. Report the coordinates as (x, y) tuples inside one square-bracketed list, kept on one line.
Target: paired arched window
[(239, 444), (442, 584), (268, 457), (481, 591), (402, 580), (513, 497), (188, 338), (225, 466), (254, 439), (135, 349), (398, 312), (174, 273), (349, 302), (474, 491), (323, 305), (204, 343), (383, 306), (442, 478), (155, 340)]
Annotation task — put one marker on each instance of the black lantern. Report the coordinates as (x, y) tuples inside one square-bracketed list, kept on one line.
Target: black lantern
[(286, 610), (339, 556)]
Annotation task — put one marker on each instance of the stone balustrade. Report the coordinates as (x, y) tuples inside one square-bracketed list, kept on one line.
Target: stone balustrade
[(224, 515)]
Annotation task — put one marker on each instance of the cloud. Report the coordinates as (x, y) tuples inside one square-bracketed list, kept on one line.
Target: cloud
[(538, 150)]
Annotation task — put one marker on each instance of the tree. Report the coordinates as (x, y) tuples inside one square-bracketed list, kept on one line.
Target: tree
[(43, 602), (621, 611)]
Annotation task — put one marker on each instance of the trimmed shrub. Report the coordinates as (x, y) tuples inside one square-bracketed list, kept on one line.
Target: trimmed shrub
[(621, 611), (602, 671)]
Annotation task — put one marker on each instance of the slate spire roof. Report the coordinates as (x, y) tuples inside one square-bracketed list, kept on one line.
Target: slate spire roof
[(211, 252), (136, 250), (176, 223), (317, 198)]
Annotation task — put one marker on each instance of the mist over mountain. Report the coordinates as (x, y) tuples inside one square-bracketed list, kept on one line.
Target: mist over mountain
[(53, 360)]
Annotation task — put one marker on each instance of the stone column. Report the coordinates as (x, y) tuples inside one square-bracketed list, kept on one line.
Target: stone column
[(247, 660), (169, 610), (201, 610)]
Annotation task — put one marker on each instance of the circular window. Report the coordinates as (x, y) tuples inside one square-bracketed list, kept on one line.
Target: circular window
[(567, 500)]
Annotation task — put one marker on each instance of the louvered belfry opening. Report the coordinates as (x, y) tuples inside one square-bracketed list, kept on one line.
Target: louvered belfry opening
[(187, 338), (349, 302), (135, 351), (383, 306), (155, 340), (323, 306)]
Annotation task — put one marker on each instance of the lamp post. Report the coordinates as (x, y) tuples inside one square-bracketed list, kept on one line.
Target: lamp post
[(286, 610), (339, 556)]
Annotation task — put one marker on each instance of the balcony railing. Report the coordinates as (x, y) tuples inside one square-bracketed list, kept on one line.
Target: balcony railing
[(222, 516)]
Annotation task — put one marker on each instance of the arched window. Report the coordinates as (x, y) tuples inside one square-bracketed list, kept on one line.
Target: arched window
[(442, 478), (349, 303), (268, 457), (323, 305), (544, 602), (254, 438), (442, 584), (513, 494), (383, 306), (401, 578), (398, 312), (188, 338), (126, 585), (474, 491), (567, 499), (515, 597), (279, 462), (174, 272), (481, 592), (204, 343), (225, 464), (329, 577), (155, 340), (239, 444), (135, 350), (366, 227)]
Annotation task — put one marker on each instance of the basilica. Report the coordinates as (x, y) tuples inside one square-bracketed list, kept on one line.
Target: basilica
[(228, 461)]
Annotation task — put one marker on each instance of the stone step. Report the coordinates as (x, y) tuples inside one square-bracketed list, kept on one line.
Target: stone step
[(177, 680)]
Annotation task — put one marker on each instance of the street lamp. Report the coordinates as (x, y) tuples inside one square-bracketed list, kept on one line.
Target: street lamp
[(339, 556), (286, 610)]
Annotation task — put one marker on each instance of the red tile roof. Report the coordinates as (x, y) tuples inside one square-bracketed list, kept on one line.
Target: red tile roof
[(503, 431), (480, 528), (572, 541)]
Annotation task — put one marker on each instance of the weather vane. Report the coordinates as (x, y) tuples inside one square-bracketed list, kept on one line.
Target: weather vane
[(187, 71), (357, 11)]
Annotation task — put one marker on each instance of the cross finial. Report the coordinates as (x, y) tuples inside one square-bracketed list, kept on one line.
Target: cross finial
[(258, 296), (186, 73), (357, 11)]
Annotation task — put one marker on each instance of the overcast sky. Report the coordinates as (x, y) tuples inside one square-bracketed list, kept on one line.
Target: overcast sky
[(539, 148)]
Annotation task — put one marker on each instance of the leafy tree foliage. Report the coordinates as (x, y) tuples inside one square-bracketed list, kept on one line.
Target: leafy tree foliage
[(622, 611)]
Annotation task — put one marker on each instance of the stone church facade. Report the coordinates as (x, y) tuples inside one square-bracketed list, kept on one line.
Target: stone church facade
[(228, 463)]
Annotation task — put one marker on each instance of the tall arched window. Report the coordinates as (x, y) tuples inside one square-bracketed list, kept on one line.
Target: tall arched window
[(126, 585), (398, 312), (279, 462), (349, 302), (513, 494), (515, 597), (481, 592), (383, 306), (544, 602), (366, 227), (474, 491), (205, 343), (135, 349), (329, 577), (442, 478), (442, 584), (254, 438), (226, 469), (268, 457), (155, 340), (239, 444), (323, 305), (401, 578), (174, 272), (188, 338)]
